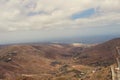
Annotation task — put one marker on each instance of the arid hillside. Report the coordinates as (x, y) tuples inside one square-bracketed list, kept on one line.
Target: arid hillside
[(103, 54), (16, 60), (57, 61)]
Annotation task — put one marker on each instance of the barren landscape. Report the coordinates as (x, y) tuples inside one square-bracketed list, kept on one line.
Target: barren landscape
[(55, 61)]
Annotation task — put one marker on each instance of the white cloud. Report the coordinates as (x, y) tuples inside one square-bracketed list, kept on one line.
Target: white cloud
[(18, 15)]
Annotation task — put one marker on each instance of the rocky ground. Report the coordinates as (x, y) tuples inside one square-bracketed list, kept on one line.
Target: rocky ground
[(57, 61)]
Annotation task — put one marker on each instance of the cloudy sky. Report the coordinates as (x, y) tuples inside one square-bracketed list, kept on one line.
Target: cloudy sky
[(45, 20)]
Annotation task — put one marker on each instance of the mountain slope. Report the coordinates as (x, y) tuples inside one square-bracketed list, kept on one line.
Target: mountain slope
[(57, 61), (16, 60), (100, 55)]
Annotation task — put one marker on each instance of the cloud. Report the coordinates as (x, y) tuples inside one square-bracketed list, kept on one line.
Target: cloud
[(17, 15)]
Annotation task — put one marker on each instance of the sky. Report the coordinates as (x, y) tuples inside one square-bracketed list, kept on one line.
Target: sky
[(50, 20)]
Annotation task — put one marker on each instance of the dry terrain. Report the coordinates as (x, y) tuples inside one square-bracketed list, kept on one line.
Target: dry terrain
[(55, 61)]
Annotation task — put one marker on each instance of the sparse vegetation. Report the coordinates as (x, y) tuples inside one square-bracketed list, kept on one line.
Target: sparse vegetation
[(48, 62)]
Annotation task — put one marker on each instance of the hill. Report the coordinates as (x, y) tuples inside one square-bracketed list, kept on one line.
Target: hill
[(30, 60), (100, 55), (55, 61)]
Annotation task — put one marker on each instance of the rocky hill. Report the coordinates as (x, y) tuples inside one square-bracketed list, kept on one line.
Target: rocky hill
[(100, 55), (57, 61)]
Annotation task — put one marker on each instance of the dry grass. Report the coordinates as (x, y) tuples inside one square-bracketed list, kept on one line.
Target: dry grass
[(35, 61)]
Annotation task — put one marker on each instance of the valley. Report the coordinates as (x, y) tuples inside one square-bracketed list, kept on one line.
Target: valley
[(55, 61)]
